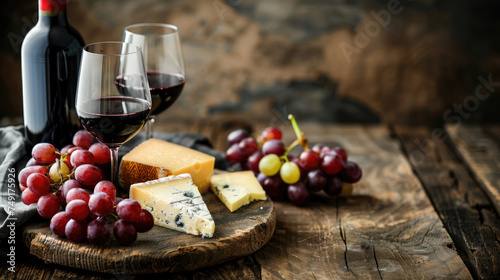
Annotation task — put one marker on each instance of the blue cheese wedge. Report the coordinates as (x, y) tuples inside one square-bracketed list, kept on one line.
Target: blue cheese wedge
[(175, 203), (237, 189)]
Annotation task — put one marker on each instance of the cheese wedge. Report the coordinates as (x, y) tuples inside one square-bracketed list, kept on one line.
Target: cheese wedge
[(155, 158), (175, 203), (237, 189)]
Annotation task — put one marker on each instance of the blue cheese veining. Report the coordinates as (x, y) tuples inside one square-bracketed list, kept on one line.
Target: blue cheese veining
[(175, 203)]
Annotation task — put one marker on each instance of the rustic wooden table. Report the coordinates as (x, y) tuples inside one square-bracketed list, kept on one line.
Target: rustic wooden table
[(427, 207)]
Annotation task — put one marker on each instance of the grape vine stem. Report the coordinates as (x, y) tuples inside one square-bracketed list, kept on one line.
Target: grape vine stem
[(301, 138)]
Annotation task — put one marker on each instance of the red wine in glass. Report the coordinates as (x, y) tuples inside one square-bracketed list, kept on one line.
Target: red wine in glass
[(163, 61), (165, 88), (124, 118)]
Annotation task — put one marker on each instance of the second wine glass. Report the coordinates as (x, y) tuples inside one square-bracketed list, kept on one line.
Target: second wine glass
[(164, 62), (113, 112)]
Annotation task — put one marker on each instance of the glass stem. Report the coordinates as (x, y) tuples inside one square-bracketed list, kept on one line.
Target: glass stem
[(149, 129), (114, 166)]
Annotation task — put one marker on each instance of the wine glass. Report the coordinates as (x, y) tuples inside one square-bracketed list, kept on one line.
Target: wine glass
[(162, 52), (113, 101)]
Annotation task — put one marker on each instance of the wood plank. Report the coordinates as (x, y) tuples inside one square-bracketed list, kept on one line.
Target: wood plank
[(464, 209), (29, 267), (479, 147), (244, 268), (387, 229)]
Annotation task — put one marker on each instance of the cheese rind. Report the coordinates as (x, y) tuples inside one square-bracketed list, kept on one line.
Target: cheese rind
[(155, 158), (175, 203), (237, 189)]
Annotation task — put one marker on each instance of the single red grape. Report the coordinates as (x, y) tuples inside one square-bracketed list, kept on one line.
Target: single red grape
[(309, 160), (316, 180), (106, 187), (351, 173), (101, 153), (124, 232), (80, 157), (98, 232), (128, 210), (77, 193), (272, 185), (44, 153), (145, 222), (236, 136), (332, 163), (48, 205), (38, 183), (78, 209), (234, 155), (341, 152), (58, 224), (83, 139), (270, 133), (298, 194), (28, 197), (76, 231), (100, 204), (273, 147), (333, 186), (88, 175), (248, 146)]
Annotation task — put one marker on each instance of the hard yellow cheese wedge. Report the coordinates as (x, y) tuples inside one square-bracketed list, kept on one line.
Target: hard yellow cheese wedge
[(156, 158), (175, 203), (237, 189)]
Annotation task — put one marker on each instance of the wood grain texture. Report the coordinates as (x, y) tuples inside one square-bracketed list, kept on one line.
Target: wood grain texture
[(163, 250), (464, 209), (387, 229), (479, 147)]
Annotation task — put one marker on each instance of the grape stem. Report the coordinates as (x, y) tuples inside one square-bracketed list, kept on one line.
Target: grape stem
[(284, 157), (301, 138), (115, 216)]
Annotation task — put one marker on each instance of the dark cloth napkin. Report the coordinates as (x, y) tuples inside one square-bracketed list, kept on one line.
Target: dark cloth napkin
[(14, 155)]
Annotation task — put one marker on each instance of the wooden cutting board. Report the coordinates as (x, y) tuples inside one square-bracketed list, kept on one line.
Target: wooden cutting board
[(160, 250)]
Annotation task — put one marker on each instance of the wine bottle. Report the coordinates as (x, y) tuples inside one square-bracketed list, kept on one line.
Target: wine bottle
[(50, 61)]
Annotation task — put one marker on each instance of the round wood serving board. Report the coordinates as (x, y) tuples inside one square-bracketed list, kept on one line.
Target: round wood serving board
[(236, 234)]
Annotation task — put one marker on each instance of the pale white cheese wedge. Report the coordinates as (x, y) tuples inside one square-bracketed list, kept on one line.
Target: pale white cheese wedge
[(175, 203), (236, 189)]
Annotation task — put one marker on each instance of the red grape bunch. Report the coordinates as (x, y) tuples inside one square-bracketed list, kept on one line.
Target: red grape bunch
[(313, 170), (69, 189)]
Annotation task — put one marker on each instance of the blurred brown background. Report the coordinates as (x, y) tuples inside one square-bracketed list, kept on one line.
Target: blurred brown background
[(411, 62)]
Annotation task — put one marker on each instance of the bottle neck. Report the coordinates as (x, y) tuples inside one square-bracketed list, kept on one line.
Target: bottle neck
[(52, 12)]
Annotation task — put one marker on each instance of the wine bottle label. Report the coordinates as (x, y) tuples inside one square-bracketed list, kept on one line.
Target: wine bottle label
[(52, 5)]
